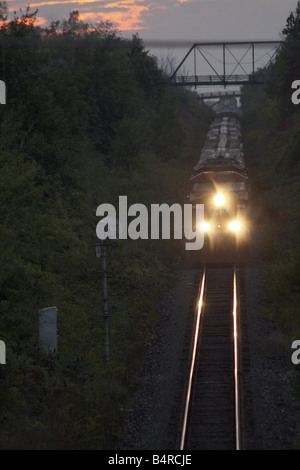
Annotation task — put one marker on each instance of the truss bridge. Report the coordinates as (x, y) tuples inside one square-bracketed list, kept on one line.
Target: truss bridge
[(226, 63)]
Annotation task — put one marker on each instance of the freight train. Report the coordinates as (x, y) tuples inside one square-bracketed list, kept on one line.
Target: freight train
[(220, 182)]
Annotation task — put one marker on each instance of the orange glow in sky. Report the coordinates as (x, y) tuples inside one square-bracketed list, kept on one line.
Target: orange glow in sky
[(125, 14), (173, 19)]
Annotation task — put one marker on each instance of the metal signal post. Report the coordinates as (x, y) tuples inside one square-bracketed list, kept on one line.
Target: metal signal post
[(112, 228), (105, 301), (102, 254)]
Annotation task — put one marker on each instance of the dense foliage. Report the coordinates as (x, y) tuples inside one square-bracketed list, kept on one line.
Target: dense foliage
[(89, 117), (272, 139)]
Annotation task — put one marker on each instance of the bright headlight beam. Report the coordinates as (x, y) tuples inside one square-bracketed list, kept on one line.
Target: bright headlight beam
[(235, 226), (205, 227), (219, 200)]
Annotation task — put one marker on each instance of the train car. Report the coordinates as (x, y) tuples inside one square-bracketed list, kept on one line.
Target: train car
[(220, 182)]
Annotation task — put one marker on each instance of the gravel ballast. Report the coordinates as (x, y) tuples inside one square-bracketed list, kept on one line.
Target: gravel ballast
[(152, 420)]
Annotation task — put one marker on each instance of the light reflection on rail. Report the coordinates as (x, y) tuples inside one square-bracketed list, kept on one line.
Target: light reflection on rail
[(236, 365), (236, 362), (187, 403)]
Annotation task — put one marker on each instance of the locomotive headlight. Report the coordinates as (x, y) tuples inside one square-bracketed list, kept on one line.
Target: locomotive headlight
[(219, 200), (205, 227), (235, 226)]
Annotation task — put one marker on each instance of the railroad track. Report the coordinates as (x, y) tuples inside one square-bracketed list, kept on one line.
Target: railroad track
[(211, 418)]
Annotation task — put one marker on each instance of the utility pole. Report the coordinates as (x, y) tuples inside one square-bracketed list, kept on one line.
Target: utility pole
[(105, 300), (112, 229), (102, 254)]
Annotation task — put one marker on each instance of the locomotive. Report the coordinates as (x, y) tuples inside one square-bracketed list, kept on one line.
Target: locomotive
[(220, 182)]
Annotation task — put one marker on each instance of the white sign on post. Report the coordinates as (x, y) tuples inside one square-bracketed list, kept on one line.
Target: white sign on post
[(2, 92), (2, 353)]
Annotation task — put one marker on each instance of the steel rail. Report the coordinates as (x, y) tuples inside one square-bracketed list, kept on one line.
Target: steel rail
[(236, 366), (188, 395)]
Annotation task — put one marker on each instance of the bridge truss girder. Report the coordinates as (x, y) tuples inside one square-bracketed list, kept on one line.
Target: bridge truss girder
[(219, 67)]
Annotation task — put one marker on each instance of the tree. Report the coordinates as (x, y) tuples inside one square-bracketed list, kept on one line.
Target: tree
[(292, 29), (72, 110), (3, 11), (74, 25), (286, 68), (21, 25)]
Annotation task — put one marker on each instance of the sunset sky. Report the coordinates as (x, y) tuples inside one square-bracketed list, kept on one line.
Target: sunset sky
[(176, 19), (180, 22)]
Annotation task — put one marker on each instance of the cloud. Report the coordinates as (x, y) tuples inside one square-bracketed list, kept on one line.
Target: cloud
[(40, 21), (125, 14), (62, 2), (180, 19)]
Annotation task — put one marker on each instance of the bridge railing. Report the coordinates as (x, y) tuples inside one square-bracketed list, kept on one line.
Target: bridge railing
[(215, 79), (220, 93)]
